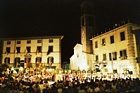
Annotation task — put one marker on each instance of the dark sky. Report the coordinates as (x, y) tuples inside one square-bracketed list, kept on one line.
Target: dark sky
[(22, 18)]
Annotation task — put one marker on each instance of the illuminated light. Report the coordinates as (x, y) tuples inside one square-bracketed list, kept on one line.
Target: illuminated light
[(109, 68), (12, 68), (39, 75), (50, 82), (21, 69), (69, 71), (130, 67), (88, 80), (15, 72), (60, 71)]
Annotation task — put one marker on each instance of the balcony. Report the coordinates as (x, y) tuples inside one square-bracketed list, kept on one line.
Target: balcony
[(123, 57)]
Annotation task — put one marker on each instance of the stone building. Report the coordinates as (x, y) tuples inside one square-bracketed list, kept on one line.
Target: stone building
[(114, 51), (32, 52), (117, 51)]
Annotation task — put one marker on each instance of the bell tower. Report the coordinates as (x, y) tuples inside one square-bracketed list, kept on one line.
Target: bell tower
[(88, 27)]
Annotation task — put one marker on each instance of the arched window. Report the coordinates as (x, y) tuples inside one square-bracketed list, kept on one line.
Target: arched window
[(38, 61), (50, 60), (17, 62), (7, 60)]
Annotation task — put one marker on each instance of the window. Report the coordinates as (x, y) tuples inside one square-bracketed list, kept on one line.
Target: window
[(28, 49), (123, 54), (22, 62), (7, 49), (17, 50), (18, 42), (50, 60), (39, 41), (88, 10), (111, 39), (38, 59), (7, 60), (50, 40), (96, 44), (8, 42), (113, 56), (17, 62), (96, 58), (50, 49), (110, 57), (104, 57), (89, 21), (82, 10), (39, 49), (103, 42), (28, 41), (122, 36), (83, 22), (28, 59)]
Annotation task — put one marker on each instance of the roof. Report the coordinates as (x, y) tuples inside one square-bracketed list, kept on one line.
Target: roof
[(38, 37), (135, 26)]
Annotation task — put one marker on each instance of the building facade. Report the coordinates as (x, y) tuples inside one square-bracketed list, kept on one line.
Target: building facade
[(32, 52), (78, 60), (116, 51)]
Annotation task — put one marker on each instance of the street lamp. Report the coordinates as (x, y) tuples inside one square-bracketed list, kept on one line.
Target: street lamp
[(20, 69)]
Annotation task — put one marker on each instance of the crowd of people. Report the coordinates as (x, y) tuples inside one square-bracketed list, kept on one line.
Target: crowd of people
[(32, 83)]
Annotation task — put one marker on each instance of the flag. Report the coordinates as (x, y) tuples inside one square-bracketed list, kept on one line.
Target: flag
[(39, 64), (25, 51), (15, 51), (28, 64), (36, 51), (6, 52)]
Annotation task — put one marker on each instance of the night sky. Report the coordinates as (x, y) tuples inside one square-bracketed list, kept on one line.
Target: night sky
[(23, 18)]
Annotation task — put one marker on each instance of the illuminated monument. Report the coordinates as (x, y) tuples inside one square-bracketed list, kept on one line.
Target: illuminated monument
[(88, 28), (114, 51)]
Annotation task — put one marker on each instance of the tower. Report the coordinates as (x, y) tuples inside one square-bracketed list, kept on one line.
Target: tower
[(83, 54), (88, 27)]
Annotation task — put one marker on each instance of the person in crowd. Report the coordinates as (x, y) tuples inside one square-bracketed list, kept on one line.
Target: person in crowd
[(46, 90), (65, 88), (37, 88), (88, 88), (31, 88), (71, 87), (52, 89), (81, 88), (24, 84)]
